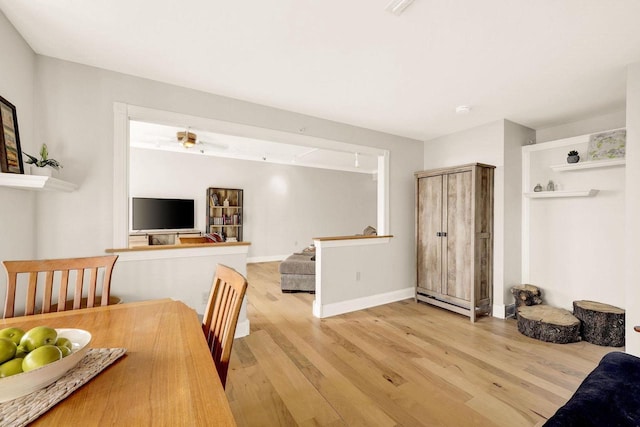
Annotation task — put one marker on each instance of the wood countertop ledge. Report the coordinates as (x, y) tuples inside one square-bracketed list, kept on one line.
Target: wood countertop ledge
[(181, 246), (326, 239)]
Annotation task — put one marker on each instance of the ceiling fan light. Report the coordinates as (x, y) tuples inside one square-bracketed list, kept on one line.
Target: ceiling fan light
[(187, 139)]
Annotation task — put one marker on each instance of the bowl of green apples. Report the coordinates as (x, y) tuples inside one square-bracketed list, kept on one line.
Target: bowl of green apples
[(33, 359)]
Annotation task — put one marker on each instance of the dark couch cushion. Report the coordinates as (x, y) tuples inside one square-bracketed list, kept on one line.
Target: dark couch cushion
[(608, 396)]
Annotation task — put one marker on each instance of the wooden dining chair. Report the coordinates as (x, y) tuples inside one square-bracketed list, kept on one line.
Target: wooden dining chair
[(221, 316), (59, 269)]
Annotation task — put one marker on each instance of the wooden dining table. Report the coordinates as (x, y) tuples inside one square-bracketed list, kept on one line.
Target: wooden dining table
[(166, 378)]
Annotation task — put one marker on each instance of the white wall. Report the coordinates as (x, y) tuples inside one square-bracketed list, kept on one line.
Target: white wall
[(632, 225), (285, 207), (17, 207), (18, 237), (613, 120), (576, 248), (355, 274), (481, 144), (142, 276), (515, 137), (74, 116), (577, 244), (497, 143), (77, 120)]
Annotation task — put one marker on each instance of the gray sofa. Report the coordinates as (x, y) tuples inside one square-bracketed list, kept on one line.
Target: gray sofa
[(298, 272)]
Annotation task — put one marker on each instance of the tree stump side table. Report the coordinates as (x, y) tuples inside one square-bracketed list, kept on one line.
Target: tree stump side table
[(547, 323), (602, 324), (525, 295)]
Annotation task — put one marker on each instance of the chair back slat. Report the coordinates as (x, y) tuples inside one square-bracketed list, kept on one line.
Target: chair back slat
[(48, 292), (64, 287), (106, 287), (30, 305), (221, 316), (58, 271), (77, 294), (10, 295), (91, 298)]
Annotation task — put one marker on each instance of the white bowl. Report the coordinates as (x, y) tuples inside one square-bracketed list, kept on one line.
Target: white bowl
[(28, 382)]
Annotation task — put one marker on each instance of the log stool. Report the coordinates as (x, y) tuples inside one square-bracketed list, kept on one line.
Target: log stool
[(547, 323), (526, 295), (602, 324)]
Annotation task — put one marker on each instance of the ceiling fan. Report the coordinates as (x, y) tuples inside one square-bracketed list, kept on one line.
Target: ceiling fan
[(189, 140)]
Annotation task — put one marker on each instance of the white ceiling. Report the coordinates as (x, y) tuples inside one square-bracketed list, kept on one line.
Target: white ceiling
[(536, 62)]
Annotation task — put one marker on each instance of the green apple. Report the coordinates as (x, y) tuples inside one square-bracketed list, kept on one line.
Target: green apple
[(64, 349), (41, 356), (21, 352), (7, 349), (39, 336), (12, 367), (64, 342), (14, 334)]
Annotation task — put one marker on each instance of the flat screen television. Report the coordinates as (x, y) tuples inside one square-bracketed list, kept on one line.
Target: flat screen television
[(162, 214)]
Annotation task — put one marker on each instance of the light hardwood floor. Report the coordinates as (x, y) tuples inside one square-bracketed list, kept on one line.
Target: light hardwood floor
[(404, 363)]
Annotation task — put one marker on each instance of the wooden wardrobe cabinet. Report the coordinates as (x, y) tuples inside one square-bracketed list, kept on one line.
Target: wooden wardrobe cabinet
[(454, 213)]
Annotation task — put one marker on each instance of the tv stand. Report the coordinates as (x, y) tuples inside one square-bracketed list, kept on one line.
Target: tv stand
[(154, 238)]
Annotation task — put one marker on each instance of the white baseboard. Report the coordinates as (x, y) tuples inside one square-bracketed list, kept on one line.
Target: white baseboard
[(271, 258), (242, 329), (361, 303), (500, 311)]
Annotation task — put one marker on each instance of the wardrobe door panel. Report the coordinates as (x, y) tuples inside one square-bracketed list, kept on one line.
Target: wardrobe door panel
[(459, 238), (429, 225)]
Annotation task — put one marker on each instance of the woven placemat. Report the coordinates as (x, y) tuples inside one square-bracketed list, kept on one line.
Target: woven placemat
[(25, 409)]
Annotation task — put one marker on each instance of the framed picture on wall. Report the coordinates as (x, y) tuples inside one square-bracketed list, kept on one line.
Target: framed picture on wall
[(10, 152)]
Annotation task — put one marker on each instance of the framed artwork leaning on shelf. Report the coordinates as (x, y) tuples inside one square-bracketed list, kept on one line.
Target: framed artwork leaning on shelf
[(10, 152), (607, 145)]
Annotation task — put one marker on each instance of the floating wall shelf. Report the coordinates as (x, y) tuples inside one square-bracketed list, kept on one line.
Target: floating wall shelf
[(588, 165), (558, 194), (35, 182)]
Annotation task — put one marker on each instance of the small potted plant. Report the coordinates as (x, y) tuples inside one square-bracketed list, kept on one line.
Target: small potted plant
[(44, 165), (573, 157)]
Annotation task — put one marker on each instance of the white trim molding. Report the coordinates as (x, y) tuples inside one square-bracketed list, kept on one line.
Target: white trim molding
[(242, 329), (257, 259), (500, 311), (356, 304)]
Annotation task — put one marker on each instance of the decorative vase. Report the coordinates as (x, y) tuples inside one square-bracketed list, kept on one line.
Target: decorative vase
[(573, 159), (46, 171), (537, 188)]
